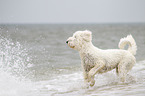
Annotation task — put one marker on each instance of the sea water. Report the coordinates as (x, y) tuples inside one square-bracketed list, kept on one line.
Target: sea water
[(36, 61)]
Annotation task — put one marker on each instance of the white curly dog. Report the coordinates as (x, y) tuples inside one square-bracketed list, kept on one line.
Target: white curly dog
[(95, 60)]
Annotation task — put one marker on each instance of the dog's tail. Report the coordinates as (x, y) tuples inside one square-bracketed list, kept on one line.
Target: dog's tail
[(131, 42)]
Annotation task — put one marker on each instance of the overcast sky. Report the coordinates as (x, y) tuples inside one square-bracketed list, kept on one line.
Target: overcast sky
[(72, 11)]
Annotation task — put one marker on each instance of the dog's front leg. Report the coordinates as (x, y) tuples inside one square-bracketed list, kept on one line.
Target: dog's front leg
[(93, 71), (85, 74), (86, 81)]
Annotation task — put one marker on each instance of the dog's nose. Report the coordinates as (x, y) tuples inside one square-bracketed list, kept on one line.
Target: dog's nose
[(66, 41)]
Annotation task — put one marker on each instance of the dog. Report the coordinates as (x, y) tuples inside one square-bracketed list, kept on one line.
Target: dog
[(98, 61)]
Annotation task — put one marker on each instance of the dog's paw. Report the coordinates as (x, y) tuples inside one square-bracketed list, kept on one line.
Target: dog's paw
[(92, 83)]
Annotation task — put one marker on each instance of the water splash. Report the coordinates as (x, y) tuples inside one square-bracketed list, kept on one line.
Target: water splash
[(14, 68), (13, 58)]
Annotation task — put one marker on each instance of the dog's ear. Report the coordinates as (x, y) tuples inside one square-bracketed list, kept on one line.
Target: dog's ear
[(87, 35)]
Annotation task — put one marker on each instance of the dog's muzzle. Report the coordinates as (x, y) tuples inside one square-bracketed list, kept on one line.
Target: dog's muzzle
[(69, 44)]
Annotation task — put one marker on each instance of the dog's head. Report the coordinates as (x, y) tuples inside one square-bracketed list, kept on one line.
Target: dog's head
[(78, 39)]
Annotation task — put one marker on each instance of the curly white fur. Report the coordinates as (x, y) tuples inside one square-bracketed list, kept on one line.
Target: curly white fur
[(95, 60), (128, 40)]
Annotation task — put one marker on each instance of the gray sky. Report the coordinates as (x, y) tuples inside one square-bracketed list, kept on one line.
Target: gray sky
[(72, 11)]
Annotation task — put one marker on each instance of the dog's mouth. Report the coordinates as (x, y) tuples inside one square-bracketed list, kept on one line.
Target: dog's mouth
[(71, 46)]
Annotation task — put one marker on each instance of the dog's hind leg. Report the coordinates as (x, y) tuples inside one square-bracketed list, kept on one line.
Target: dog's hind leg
[(124, 67), (123, 70), (122, 73)]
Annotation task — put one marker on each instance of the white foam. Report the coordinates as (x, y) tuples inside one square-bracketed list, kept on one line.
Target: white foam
[(73, 83), (12, 86)]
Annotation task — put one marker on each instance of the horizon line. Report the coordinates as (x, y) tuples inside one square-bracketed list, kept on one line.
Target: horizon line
[(71, 23)]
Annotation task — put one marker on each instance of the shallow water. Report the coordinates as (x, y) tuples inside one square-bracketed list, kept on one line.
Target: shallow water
[(35, 61)]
